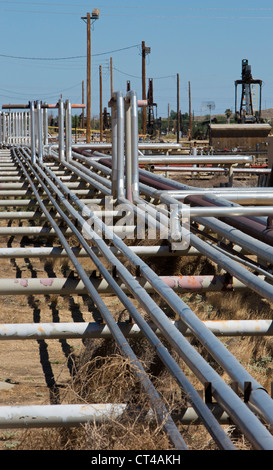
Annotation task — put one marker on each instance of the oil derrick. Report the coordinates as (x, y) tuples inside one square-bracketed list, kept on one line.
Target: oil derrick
[(250, 132), (247, 113)]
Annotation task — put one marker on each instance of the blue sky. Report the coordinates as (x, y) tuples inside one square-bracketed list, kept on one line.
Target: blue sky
[(202, 41)]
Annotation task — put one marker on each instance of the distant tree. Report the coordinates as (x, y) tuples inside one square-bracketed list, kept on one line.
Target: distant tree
[(75, 121), (228, 114)]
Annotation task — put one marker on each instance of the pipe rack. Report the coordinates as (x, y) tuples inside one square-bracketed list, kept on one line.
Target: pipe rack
[(153, 199)]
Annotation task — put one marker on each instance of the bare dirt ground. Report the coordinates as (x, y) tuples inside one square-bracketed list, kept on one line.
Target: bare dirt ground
[(31, 371)]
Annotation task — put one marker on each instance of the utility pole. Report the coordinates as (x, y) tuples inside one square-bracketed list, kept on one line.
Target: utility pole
[(101, 119), (168, 128), (111, 74), (83, 103), (178, 111), (145, 51), (88, 18), (88, 101), (190, 116)]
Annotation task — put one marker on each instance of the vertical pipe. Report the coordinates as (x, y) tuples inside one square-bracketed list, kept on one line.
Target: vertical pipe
[(134, 142), (25, 126), (8, 127), (1, 124), (10, 122), (32, 132), (61, 129), (15, 127), (45, 126), (11, 126), (128, 149), (22, 127), (68, 131), (39, 130), (114, 149), (35, 125), (18, 127), (120, 144), (4, 128)]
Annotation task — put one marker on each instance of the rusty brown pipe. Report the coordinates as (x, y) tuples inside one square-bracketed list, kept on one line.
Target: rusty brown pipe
[(245, 224)]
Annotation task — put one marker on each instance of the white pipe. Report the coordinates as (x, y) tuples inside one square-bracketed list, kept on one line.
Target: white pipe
[(79, 330), (209, 169), (56, 252), (230, 211), (196, 159), (39, 130), (32, 132), (61, 129), (36, 416), (33, 416), (68, 131), (44, 231)]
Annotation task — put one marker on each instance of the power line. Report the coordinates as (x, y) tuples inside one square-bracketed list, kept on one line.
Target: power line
[(185, 17), (116, 50), (131, 7), (46, 94), (127, 74), (135, 76), (67, 58), (41, 58)]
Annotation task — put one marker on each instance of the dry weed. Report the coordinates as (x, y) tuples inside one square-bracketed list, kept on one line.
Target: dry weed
[(108, 379)]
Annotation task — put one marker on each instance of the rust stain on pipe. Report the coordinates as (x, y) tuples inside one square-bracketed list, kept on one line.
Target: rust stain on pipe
[(47, 281)]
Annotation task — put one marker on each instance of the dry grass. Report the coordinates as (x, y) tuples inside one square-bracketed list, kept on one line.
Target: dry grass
[(104, 379)]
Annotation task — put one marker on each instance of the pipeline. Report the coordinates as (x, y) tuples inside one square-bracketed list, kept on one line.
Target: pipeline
[(66, 286), (207, 251), (251, 227), (156, 402), (46, 416), (68, 330), (64, 200), (188, 355), (209, 422)]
